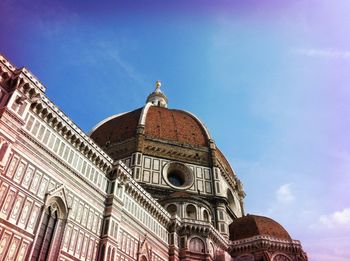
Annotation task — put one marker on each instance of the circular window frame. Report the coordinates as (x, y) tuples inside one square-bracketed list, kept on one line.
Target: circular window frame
[(181, 169)]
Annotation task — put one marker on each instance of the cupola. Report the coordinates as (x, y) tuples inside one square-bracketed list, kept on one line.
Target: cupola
[(157, 98)]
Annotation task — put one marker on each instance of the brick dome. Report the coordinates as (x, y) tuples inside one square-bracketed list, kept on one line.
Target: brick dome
[(143, 128), (116, 128), (159, 123), (175, 125), (252, 225)]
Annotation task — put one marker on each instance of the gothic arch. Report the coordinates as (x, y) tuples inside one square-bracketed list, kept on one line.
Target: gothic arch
[(47, 244), (144, 250), (60, 204)]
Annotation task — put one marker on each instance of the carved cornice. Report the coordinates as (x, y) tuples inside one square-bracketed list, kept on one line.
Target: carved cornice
[(33, 91), (171, 151), (55, 118), (190, 226), (61, 162), (7, 63)]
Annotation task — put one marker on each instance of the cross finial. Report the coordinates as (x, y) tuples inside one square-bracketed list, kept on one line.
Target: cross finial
[(158, 84)]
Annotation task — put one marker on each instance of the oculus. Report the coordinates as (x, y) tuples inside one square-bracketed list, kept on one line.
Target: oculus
[(177, 175)]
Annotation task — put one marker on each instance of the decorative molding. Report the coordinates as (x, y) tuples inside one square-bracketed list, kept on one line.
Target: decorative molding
[(264, 242), (190, 226)]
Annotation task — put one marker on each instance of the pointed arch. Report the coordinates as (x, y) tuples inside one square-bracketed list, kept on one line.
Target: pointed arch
[(144, 250), (47, 244)]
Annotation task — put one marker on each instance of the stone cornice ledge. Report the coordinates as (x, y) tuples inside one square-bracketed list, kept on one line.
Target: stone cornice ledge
[(205, 227), (266, 242)]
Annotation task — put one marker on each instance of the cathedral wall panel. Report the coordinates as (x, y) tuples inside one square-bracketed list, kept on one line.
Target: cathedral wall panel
[(37, 164), (151, 173), (65, 152)]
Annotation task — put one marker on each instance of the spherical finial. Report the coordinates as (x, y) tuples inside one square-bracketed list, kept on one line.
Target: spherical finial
[(157, 97), (158, 84)]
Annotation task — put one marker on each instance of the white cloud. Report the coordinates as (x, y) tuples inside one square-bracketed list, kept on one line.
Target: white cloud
[(324, 53), (336, 219), (284, 193), (325, 248)]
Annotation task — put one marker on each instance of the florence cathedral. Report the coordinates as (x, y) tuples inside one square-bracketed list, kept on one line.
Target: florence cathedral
[(148, 185)]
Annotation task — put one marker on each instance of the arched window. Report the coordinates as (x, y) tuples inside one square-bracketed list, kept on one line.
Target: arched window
[(191, 211), (50, 233), (205, 215), (172, 209), (196, 245)]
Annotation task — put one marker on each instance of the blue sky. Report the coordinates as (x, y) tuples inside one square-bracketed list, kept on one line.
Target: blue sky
[(269, 78)]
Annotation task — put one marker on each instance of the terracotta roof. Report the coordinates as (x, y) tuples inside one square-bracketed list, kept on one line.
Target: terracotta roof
[(252, 225), (161, 123), (224, 161), (117, 129), (174, 125)]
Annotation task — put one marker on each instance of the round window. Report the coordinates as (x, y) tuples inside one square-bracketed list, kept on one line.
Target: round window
[(178, 175)]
